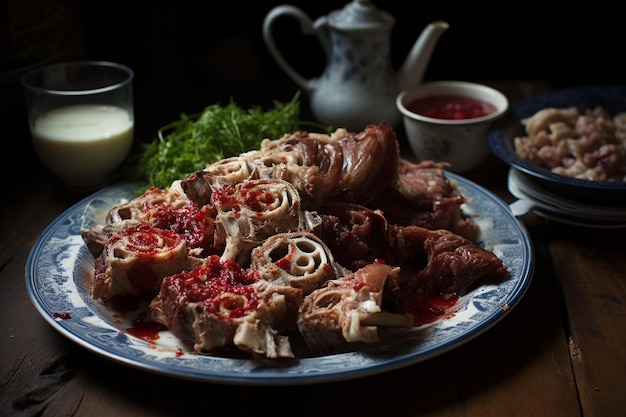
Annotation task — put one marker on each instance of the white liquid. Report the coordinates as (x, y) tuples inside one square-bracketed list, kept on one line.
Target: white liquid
[(83, 144)]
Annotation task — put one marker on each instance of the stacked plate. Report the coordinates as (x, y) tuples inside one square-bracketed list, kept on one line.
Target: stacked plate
[(559, 197), (534, 197)]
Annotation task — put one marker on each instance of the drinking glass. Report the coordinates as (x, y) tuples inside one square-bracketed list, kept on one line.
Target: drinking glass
[(81, 119)]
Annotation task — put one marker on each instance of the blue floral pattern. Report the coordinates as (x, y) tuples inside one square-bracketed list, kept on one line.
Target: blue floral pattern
[(59, 269)]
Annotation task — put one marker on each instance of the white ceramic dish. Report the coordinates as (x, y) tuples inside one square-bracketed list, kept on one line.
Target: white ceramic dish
[(533, 197), (461, 142), (59, 266), (549, 198)]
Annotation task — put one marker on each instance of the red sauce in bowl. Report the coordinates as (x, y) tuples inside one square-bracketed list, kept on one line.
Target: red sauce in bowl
[(451, 107)]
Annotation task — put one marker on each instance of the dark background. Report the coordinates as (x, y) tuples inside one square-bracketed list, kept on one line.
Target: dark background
[(189, 54)]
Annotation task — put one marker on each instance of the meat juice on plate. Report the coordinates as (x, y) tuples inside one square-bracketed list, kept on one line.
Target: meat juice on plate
[(451, 107), (83, 142)]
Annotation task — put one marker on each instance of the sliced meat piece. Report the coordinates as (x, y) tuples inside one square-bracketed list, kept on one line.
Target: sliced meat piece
[(251, 211), (424, 196), (348, 310), (164, 209), (299, 259), (136, 259), (439, 262), (370, 163), (219, 305), (355, 234), (349, 166)]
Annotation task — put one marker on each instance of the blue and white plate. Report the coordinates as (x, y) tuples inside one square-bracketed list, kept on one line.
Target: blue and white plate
[(59, 269), (533, 197)]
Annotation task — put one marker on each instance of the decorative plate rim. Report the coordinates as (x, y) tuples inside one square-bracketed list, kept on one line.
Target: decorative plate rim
[(53, 275)]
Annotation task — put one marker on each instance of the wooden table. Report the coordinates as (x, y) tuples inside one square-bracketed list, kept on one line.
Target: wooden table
[(560, 352)]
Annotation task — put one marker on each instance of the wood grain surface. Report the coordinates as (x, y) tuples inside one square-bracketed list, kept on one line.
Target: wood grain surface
[(559, 352)]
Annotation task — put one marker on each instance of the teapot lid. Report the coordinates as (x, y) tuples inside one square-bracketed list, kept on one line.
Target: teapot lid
[(360, 15)]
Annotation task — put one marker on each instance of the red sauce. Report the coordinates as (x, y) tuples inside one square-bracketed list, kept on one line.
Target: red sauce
[(224, 198), (210, 283), (432, 308), (145, 329), (254, 198), (247, 194), (62, 316), (191, 222), (451, 107), (284, 263), (358, 284), (142, 239)]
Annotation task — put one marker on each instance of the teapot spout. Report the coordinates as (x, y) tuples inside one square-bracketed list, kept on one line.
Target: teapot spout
[(412, 70)]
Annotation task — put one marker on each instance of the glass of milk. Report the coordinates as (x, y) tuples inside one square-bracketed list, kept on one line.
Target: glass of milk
[(81, 119)]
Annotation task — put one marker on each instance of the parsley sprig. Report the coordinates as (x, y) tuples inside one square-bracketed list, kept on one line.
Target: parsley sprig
[(189, 144)]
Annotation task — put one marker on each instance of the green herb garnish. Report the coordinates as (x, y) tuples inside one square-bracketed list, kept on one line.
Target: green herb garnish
[(189, 144)]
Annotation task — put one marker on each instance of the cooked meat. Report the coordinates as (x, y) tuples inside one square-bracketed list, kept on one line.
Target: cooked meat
[(220, 305), (299, 259), (349, 310), (424, 196), (439, 262), (355, 234), (337, 227), (136, 259), (253, 210)]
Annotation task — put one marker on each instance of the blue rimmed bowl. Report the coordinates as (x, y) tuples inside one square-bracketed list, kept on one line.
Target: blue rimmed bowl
[(502, 136)]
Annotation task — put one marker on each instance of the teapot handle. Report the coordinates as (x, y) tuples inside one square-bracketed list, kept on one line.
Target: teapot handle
[(306, 26)]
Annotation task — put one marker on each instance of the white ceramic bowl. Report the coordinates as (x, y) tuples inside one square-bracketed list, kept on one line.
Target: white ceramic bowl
[(464, 143)]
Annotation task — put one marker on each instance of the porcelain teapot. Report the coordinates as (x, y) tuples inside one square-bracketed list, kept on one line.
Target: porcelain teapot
[(359, 85)]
